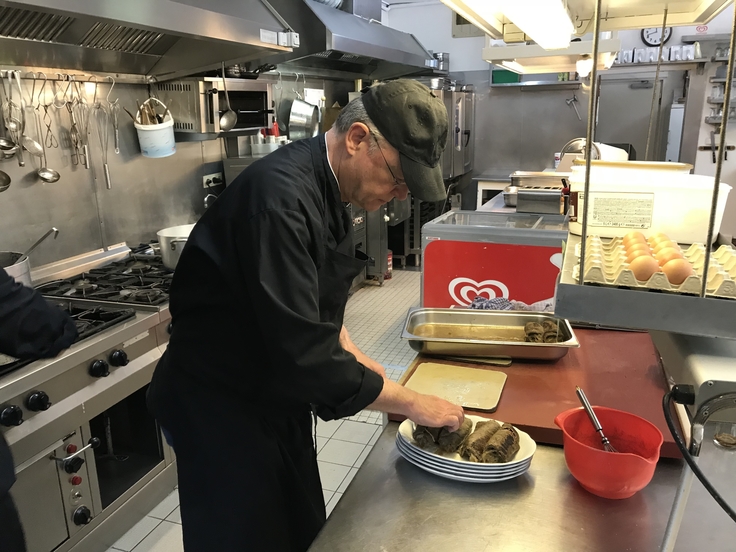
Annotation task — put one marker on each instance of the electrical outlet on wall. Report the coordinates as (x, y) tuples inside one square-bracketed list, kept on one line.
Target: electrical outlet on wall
[(212, 179)]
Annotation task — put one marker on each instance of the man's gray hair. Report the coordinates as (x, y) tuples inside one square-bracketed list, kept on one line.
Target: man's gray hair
[(355, 112)]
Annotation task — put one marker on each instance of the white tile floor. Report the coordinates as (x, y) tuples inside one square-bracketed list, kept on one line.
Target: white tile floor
[(374, 317)]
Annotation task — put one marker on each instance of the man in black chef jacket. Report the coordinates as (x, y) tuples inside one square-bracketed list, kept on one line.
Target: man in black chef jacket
[(30, 328), (257, 340)]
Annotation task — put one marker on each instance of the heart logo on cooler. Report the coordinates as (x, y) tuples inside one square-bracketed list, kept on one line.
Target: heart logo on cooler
[(460, 289)]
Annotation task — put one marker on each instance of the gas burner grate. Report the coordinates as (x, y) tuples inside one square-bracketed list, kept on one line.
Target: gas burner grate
[(135, 280)]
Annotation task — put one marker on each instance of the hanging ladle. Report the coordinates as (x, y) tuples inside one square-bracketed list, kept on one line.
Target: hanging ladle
[(229, 118), (4, 181), (24, 256), (33, 147)]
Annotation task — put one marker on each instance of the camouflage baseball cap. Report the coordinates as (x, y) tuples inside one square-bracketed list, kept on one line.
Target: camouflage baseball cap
[(414, 122)]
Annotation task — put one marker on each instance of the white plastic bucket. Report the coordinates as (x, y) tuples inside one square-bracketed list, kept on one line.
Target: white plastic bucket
[(649, 197), (157, 140)]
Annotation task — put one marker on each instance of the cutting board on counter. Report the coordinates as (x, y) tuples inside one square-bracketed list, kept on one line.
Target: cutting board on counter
[(617, 369), (470, 387)]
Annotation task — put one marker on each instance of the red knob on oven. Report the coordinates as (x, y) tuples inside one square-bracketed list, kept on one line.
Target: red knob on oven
[(76, 480), (71, 449)]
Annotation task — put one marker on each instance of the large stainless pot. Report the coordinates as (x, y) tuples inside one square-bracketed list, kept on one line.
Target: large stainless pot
[(303, 120), (172, 241), (20, 271)]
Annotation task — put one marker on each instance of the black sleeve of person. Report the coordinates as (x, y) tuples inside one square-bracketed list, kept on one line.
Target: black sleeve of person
[(31, 328), (283, 282)]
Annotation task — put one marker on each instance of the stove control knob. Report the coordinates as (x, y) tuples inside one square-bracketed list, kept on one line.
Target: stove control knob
[(73, 465), (37, 401), (118, 358), (11, 416), (99, 369), (82, 516)]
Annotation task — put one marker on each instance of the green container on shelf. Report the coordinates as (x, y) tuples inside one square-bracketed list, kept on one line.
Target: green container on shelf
[(502, 76)]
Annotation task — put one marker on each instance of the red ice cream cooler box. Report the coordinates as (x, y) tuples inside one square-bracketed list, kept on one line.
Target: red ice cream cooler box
[(466, 254)]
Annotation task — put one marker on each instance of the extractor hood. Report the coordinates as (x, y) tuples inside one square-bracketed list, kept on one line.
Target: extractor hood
[(162, 38), (335, 43)]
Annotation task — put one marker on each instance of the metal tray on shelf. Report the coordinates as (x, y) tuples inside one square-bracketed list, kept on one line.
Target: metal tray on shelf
[(482, 333)]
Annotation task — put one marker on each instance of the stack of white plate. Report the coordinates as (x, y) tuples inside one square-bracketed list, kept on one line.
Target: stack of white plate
[(453, 466)]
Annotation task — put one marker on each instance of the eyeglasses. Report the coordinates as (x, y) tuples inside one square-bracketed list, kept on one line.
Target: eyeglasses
[(396, 180)]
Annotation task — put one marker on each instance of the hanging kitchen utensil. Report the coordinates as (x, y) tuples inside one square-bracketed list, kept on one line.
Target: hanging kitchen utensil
[(229, 118), (44, 172), (7, 146), (114, 112), (303, 117), (28, 251), (4, 181), (14, 119), (103, 120), (60, 99), (73, 133), (49, 140), (33, 147), (83, 114)]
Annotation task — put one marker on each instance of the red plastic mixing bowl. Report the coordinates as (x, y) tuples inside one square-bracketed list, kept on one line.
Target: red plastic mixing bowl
[(610, 474)]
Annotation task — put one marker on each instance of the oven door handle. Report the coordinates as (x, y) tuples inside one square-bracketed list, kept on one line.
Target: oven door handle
[(72, 463), (44, 453)]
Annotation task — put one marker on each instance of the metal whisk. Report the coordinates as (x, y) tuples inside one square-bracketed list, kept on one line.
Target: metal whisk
[(594, 419)]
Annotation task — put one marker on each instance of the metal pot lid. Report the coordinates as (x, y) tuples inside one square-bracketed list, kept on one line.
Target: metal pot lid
[(577, 145)]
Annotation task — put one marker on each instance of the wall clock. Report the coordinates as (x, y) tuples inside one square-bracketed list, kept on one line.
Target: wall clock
[(653, 35)]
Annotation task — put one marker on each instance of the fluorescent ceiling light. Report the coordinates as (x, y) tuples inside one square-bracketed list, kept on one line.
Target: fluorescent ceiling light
[(532, 58), (584, 65), (489, 24), (546, 22), (619, 14)]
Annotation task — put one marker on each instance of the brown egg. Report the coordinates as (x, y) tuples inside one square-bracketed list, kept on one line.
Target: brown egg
[(677, 271), (643, 267), (664, 244), (633, 254), (667, 254), (654, 239), (634, 246), (634, 237)]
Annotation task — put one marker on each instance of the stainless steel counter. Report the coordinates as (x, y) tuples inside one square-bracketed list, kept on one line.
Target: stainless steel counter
[(393, 506)]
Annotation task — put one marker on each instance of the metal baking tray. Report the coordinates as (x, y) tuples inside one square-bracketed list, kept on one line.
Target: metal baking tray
[(482, 333)]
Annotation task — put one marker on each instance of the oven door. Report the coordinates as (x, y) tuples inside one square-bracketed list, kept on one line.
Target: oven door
[(37, 495), (54, 500)]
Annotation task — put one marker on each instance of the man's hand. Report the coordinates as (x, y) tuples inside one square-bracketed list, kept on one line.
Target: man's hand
[(432, 411)]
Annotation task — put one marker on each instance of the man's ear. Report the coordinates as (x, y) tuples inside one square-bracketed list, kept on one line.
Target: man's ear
[(356, 138)]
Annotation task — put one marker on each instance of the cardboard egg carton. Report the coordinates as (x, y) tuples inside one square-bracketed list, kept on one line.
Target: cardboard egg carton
[(605, 264)]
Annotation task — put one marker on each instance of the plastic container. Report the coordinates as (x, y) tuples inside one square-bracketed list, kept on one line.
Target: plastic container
[(613, 475), (650, 197), (157, 141)]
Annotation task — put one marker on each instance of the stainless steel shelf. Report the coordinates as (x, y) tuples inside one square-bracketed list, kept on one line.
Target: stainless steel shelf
[(641, 309), (535, 84), (717, 79), (717, 120)]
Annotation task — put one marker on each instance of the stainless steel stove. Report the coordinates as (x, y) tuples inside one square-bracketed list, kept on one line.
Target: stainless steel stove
[(89, 321), (89, 458), (137, 280)]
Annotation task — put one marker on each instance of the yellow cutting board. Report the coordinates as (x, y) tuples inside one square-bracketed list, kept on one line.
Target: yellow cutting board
[(476, 389)]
